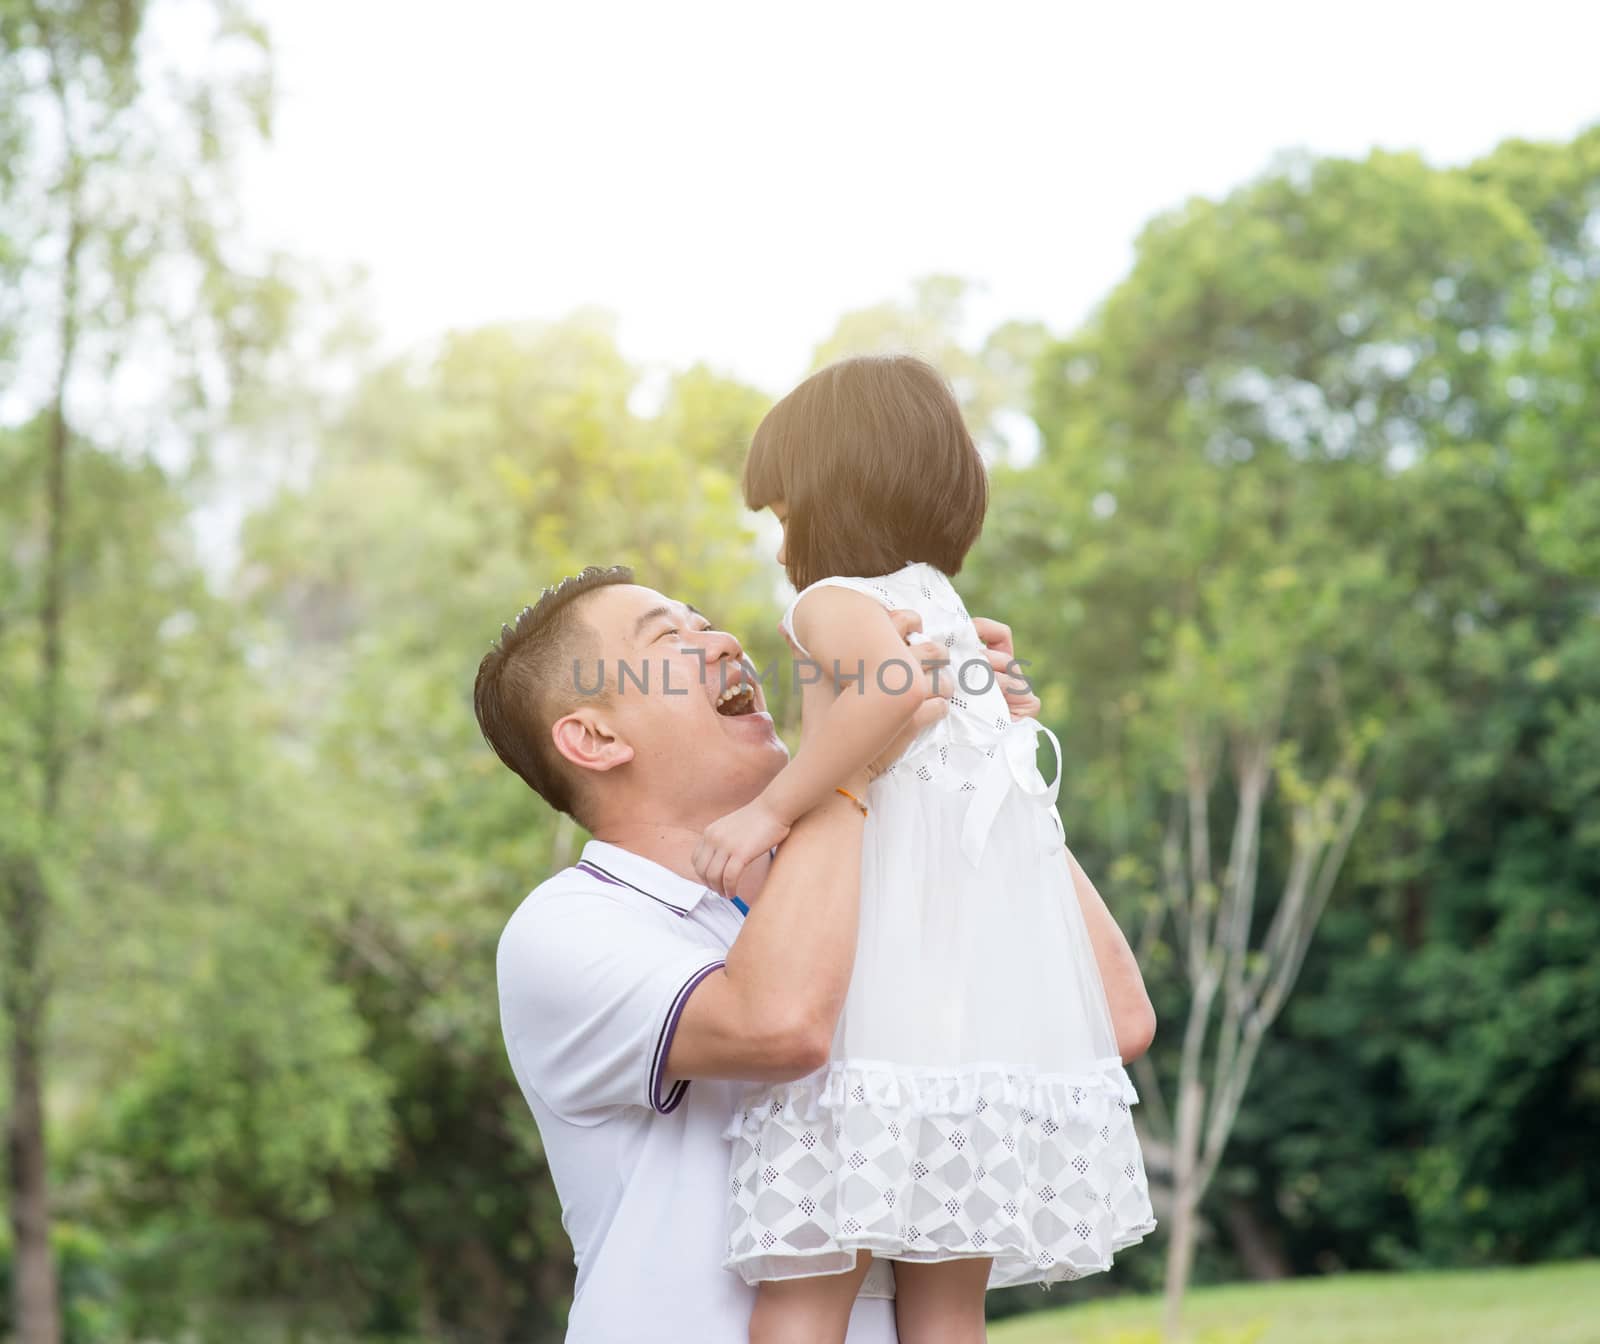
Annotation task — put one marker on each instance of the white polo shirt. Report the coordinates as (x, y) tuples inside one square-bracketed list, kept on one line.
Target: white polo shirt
[(594, 969)]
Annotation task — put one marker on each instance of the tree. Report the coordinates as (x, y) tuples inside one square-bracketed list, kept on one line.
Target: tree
[(107, 215), (1448, 1009), (1226, 464)]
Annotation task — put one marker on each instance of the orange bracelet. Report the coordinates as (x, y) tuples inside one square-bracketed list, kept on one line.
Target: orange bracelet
[(853, 799)]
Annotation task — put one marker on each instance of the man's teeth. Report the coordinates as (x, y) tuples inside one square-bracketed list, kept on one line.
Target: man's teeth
[(732, 693)]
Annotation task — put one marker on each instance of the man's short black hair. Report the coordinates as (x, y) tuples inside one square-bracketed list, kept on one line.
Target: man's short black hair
[(525, 684)]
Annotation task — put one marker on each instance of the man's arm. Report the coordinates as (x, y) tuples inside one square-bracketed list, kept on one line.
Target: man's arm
[(769, 1014), (1133, 1017)]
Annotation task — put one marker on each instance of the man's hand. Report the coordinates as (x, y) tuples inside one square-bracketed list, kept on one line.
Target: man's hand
[(1021, 700), (729, 845)]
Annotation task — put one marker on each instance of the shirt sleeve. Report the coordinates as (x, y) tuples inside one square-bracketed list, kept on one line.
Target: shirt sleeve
[(591, 992)]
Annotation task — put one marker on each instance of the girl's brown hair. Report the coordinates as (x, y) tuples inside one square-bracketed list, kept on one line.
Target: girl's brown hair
[(875, 467)]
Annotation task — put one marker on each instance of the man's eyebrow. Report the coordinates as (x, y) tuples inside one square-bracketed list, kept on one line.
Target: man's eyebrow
[(655, 613)]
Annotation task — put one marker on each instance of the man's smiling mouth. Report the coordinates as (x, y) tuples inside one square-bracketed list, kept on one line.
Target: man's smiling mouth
[(737, 701)]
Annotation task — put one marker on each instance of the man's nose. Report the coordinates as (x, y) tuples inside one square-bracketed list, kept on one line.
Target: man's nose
[(720, 644), (720, 649)]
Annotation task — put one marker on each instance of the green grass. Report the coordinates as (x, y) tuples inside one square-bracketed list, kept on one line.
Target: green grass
[(1540, 1304)]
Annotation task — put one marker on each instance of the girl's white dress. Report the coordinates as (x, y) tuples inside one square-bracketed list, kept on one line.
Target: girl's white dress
[(975, 1103)]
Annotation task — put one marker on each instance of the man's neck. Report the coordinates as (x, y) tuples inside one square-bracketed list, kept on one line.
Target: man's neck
[(672, 846)]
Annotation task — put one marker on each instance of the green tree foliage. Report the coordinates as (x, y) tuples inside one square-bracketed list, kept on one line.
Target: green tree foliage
[(1457, 996), (129, 324), (1324, 463)]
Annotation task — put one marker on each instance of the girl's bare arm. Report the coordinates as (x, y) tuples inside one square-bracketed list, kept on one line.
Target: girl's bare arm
[(852, 639)]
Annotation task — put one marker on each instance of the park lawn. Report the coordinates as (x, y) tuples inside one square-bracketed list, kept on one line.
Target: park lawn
[(1538, 1304)]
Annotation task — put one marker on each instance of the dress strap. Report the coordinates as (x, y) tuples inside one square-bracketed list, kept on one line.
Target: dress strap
[(1012, 763)]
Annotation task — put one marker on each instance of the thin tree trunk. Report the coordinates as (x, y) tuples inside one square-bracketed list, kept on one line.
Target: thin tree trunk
[(37, 1311), (562, 842), (1256, 1242), (1413, 915), (491, 1313), (1185, 1205), (1214, 922), (34, 1284)]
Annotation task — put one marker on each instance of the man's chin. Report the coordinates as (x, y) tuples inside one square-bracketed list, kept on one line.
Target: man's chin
[(754, 736)]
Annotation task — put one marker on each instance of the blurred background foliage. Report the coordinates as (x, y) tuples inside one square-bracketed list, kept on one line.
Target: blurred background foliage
[(1331, 450)]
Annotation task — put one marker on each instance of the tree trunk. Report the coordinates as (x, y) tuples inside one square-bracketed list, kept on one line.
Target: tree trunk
[(563, 841), (34, 1284), (1185, 1205), (1414, 915), (37, 1310), (491, 1314), (1257, 1243)]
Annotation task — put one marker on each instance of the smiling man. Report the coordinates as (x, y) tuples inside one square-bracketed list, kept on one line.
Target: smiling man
[(633, 1001)]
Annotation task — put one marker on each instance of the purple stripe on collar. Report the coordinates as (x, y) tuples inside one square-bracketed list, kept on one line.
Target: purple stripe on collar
[(666, 1105), (595, 870)]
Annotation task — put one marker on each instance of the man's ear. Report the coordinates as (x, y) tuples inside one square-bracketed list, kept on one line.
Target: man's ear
[(585, 738)]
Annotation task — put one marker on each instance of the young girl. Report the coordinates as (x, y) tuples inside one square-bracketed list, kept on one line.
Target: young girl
[(972, 1124)]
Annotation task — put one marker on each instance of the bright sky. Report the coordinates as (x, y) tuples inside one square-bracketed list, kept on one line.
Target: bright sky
[(729, 178)]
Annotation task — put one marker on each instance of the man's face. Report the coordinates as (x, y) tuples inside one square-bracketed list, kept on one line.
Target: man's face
[(684, 700)]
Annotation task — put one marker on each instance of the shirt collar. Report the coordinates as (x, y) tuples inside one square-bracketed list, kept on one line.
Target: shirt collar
[(613, 864)]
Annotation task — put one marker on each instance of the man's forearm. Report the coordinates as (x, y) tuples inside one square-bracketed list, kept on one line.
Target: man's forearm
[(770, 1013), (1133, 1017), (793, 957)]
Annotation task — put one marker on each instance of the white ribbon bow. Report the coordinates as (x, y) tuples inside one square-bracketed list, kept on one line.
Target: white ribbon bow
[(1012, 762)]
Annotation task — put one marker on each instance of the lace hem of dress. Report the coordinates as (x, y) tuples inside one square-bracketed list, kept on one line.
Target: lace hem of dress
[(962, 1091), (1043, 1173)]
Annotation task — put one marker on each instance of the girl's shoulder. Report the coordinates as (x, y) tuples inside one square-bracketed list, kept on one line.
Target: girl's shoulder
[(873, 588), (912, 586)]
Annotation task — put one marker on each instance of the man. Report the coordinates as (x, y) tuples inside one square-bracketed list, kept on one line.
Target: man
[(634, 1002)]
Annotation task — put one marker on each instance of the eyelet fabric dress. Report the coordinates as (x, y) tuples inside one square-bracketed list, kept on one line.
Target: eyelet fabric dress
[(974, 1104)]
